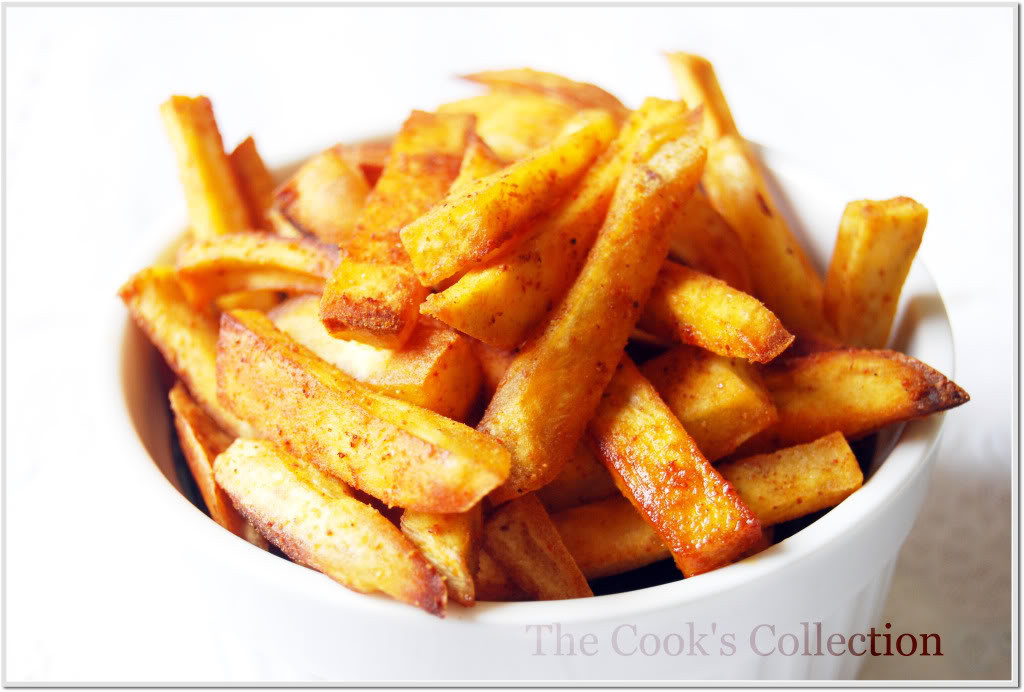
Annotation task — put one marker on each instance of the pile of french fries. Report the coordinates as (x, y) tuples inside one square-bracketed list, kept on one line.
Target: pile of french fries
[(408, 366)]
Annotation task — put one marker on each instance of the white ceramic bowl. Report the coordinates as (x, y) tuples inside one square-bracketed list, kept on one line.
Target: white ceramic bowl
[(280, 621)]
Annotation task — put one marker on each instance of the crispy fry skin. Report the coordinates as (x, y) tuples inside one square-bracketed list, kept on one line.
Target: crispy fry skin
[(254, 180), (721, 402), (473, 223), (583, 479), (324, 198), (523, 541), (875, 248), (697, 84), (215, 201), (698, 309), (579, 94), (514, 123), (659, 468), (185, 337), (401, 454), (554, 384), (609, 537), (436, 369), (263, 300), (451, 542), (502, 300), (374, 296), (370, 156), (703, 240), (796, 481), (201, 441), (492, 584), (211, 267), (312, 517)]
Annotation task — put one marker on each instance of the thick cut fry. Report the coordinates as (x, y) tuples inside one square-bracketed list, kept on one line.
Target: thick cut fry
[(501, 301), (721, 402), (369, 156), (401, 454), (555, 382), (583, 479), (186, 338), (215, 201), (253, 262), (875, 248), (659, 468), (436, 369), (697, 84), (796, 481), (704, 241), (494, 363), (451, 542), (514, 123), (523, 541), (255, 182), (201, 441), (479, 161), (694, 308), (263, 300), (374, 296), (473, 223), (766, 542), (312, 517), (492, 584), (324, 198), (579, 94), (609, 537)]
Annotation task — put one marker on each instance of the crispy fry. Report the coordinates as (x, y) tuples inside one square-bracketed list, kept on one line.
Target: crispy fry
[(492, 584), (694, 308), (494, 363), (766, 542), (263, 300), (579, 94), (875, 248), (215, 201), (479, 161), (324, 198), (721, 402), (703, 240), (796, 481), (697, 84), (254, 180), (555, 382), (659, 468), (472, 224), (436, 369), (370, 156), (451, 542), (401, 454), (312, 517), (523, 541), (583, 479)]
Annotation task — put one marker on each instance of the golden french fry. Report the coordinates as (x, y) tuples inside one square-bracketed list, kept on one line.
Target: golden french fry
[(875, 248), (492, 584), (369, 156), (721, 402), (263, 300), (451, 542), (523, 541), (324, 198), (698, 85), (401, 454), (659, 468), (582, 479), (796, 481), (473, 223), (703, 240), (579, 94), (479, 161), (254, 180), (216, 203), (766, 542), (313, 518), (494, 363)]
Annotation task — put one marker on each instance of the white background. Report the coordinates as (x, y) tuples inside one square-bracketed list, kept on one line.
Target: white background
[(885, 101)]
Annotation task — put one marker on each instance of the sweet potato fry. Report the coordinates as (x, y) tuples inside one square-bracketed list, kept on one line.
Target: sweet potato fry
[(216, 203), (702, 239), (721, 402), (313, 518), (796, 481), (263, 300), (555, 382), (583, 479), (324, 198), (369, 156), (403, 455), (472, 224), (766, 542), (451, 542), (609, 537), (254, 180), (659, 468), (697, 84), (579, 94), (523, 541), (436, 369), (492, 584), (875, 248), (201, 441)]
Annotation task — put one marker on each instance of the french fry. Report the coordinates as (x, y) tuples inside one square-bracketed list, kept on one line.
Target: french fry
[(796, 481), (324, 198), (436, 369), (697, 84), (313, 518), (609, 537), (721, 402), (374, 296), (582, 479), (703, 240), (201, 441), (185, 337), (659, 468), (472, 224), (501, 301), (479, 161), (403, 455), (555, 382), (523, 541), (254, 180), (579, 94), (766, 542), (369, 156), (215, 201), (263, 300), (875, 248), (494, 363), (694, 308), (451, 542), (492, 584)]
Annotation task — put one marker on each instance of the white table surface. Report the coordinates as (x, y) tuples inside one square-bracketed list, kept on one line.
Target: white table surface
[(914, 101)]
